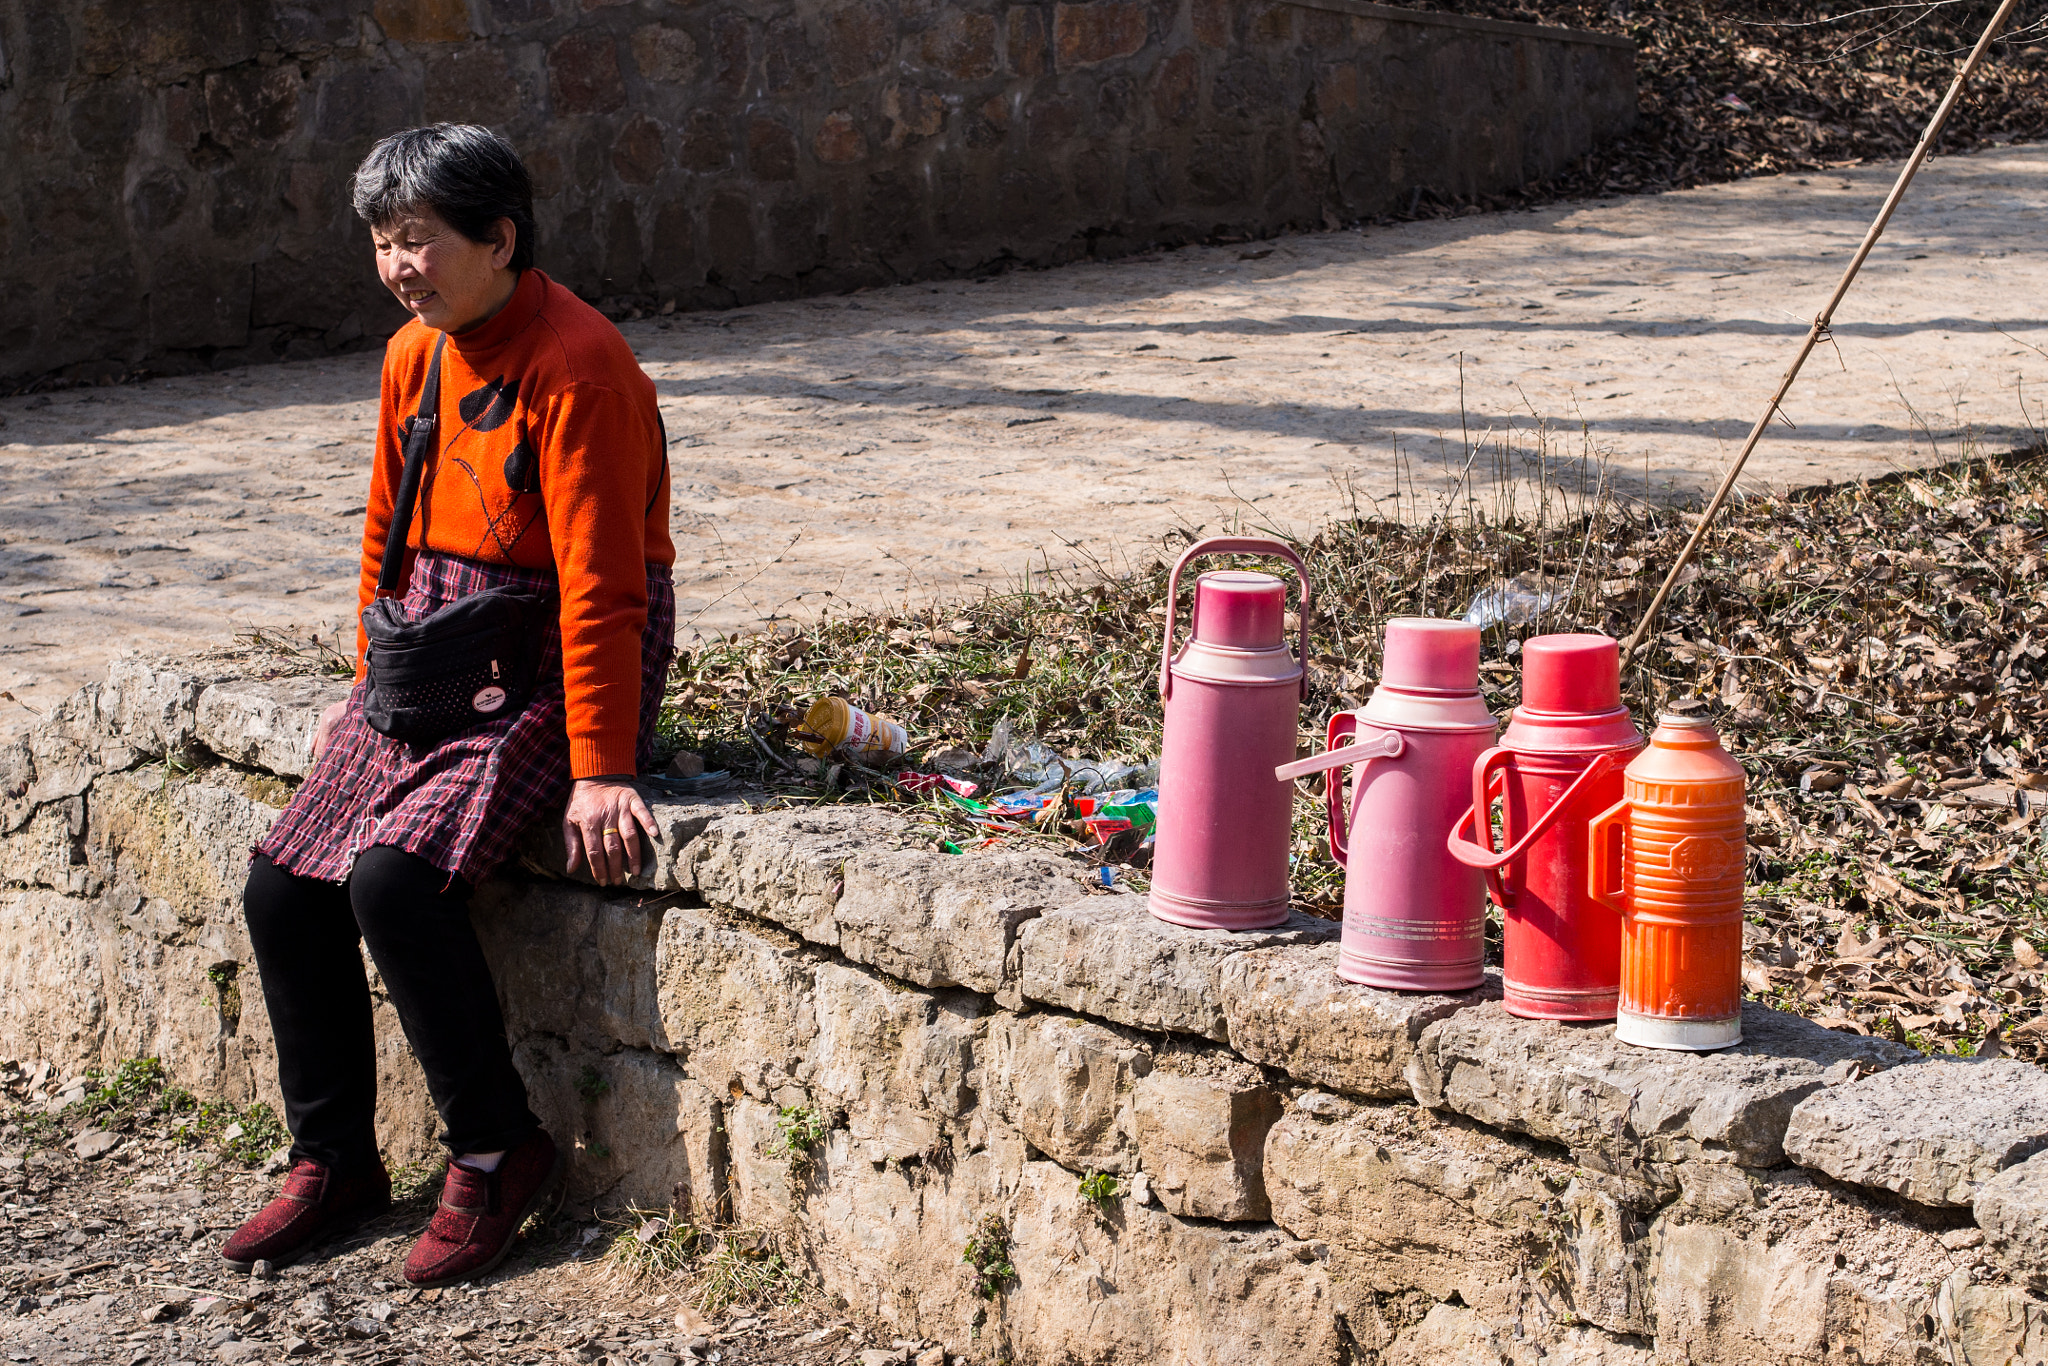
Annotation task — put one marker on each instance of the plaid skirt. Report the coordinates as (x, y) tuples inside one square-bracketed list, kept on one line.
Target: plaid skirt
[(462, 803)]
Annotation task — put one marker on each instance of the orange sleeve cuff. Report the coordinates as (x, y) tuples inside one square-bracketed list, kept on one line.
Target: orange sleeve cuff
[(602, 757)]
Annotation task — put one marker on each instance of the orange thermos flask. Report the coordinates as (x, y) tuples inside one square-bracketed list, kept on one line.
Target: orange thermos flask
[(1669, 856)]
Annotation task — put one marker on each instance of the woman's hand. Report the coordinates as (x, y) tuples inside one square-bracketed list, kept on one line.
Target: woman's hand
[(323, 730), (603, 825)]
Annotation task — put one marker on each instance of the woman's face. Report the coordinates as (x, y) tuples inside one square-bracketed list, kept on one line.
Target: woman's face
[(447, 281)]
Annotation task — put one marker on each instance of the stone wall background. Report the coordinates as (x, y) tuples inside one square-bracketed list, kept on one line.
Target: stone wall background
[(174, 190)]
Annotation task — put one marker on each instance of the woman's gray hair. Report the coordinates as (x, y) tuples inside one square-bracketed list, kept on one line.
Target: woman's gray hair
[(468, 175)]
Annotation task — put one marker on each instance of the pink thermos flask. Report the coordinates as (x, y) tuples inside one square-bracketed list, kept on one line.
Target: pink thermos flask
[(1232, 699), (1414, 916)]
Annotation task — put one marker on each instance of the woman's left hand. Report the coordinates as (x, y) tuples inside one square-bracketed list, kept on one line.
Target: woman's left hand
[(602, 828)]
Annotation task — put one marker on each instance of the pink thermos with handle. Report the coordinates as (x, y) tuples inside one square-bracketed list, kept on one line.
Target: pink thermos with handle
[(1232, 699), (1414, 916)]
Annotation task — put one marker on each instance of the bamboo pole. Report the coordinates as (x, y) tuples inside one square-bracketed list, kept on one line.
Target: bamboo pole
[(1821, 321)]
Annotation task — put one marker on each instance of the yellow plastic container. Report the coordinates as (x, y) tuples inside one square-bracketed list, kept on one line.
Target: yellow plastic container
[(836, 724)]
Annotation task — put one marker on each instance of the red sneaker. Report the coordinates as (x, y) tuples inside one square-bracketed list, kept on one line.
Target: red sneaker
[(481, 1213), (315, 1205)]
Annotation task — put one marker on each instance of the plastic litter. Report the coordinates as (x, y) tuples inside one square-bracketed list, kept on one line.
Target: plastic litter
[(1514, 602), (911, 781), (833, 724), (1041, 768)]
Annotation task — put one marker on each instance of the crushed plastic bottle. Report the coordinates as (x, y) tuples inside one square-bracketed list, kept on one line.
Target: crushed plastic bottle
[(1514, 602), (1028, 760), (1041, 768)]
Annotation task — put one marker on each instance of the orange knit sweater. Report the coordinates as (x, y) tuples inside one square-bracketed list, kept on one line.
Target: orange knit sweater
[(550, 453)]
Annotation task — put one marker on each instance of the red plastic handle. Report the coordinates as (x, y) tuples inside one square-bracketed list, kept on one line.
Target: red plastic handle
[(1489, 780), (1607, 853), (1342, 726), (1224, 545), (1478, 851)]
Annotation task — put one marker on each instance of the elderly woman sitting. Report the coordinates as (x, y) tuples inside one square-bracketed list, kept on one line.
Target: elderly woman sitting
[(541, 470)]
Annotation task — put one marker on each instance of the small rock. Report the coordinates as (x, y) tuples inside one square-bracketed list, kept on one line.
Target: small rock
[(297, 1347), (1956, 1239), (160, 1312), (1323, 1105), (362, 1327), (881, 1356), (686, 764), (461, 1332), (95, 1143), (222, 1337), (382, 1312), (697, 1343), (932, 1356), (661, 1359), (263, 1270)]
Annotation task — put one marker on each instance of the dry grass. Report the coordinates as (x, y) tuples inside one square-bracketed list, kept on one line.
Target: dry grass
[(717, 1269)]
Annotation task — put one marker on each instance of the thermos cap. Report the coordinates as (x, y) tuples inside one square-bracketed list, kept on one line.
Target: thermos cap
[(1240, 609), (1578, 673), (1433, 654)]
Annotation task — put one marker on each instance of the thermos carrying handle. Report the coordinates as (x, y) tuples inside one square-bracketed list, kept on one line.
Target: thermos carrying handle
[(1606, 851), (1386, 744), (1474, 853), (1224, 545)]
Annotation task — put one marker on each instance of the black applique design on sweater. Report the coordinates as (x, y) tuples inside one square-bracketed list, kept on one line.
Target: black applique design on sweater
[(489, 408), (522, 468)]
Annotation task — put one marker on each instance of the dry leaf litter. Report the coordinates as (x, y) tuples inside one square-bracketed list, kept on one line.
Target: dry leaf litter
[(1726, 91)]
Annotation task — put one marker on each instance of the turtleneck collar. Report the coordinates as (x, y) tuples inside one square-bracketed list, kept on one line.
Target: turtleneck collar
[(479, 342)]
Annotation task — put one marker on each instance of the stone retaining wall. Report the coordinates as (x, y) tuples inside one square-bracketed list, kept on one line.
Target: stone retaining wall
[(174, 195), (1309, 1171)]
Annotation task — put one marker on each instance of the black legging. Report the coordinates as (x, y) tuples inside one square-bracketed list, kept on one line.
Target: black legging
[(415, 918)]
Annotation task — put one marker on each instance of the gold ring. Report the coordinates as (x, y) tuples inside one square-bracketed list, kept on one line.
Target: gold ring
[(610, 830)]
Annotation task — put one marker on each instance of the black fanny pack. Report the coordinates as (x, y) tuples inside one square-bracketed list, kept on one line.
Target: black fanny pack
[(475, 660)]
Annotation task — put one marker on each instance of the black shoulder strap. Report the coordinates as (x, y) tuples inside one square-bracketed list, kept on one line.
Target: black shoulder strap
[(419, 440)]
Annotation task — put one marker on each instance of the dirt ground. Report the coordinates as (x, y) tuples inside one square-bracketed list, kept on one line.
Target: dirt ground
[(114, 1260), (928, 440)]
